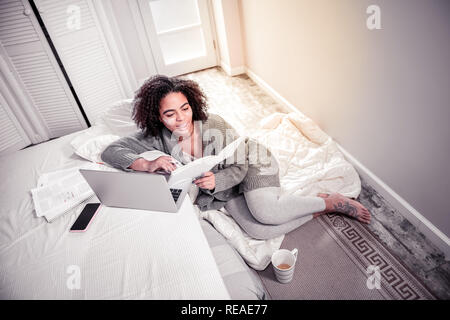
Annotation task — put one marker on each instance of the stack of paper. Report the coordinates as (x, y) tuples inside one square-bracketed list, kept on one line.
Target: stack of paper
[(59, 191)]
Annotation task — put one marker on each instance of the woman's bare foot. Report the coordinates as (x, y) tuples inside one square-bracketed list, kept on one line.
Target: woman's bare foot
[(336, 202)]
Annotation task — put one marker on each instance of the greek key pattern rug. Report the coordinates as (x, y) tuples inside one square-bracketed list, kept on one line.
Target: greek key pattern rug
[(395, 281)]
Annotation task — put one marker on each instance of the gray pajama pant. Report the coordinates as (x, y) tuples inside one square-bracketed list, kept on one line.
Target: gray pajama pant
[(264, 214)]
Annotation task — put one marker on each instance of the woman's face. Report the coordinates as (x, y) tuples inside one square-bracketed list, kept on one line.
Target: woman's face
[(176, 114)]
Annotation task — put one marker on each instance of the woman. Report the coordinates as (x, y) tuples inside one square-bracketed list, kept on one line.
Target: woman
[(172, 114)]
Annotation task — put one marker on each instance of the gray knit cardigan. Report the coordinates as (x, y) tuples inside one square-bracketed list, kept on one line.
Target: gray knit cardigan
[(232, 177)]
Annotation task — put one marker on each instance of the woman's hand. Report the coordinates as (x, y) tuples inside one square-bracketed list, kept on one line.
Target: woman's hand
[(208, 181), (161, 163)]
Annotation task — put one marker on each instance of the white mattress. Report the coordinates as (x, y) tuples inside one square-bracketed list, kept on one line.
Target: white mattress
[(125, 254)]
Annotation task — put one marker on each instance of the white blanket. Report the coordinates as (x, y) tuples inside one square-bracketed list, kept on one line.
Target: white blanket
[(309, 160)]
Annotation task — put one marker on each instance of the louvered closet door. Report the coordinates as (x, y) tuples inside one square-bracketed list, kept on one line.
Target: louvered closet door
[(44, 94), (75, 32), (12, 137)]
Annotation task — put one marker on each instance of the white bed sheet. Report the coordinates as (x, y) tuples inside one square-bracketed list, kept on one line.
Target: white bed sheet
[(125, 254)]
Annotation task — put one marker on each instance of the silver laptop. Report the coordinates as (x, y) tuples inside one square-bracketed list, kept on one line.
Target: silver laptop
[(136, 190)]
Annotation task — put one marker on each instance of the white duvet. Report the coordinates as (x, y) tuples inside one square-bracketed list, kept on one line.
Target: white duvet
[(309, 160)]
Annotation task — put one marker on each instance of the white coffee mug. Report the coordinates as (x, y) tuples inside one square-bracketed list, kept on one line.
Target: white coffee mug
[(283, 262)]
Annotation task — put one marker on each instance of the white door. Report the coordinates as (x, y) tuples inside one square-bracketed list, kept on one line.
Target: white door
[(12, 136), (34, 85), (76, 33), (180, 35)]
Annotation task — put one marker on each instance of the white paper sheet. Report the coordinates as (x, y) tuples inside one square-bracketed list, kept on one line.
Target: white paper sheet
[(197, 167)]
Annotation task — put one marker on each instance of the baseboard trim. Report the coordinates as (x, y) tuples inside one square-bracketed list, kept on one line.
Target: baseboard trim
[(232, 71), (430, 231)]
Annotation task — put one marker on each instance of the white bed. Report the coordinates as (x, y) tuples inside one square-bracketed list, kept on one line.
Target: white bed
[(122, 255)]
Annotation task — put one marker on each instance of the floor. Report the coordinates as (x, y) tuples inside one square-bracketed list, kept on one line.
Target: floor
[(401, 237)]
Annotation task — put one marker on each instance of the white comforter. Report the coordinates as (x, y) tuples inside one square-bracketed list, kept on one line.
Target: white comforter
[(310, 163)]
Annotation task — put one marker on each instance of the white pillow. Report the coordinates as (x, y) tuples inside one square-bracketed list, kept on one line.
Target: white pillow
[(308, 128), (111, 125), (118, 118), (91, 147)]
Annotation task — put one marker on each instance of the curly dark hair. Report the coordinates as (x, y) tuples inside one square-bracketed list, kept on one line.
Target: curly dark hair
[(147, 101)]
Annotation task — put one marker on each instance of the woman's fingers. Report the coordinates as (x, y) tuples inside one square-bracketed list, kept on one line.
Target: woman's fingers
[(172, 166), (205, 185), (203, 179), (207, 181), (201, 185), (206, 176), (165, 162), (172, 163)]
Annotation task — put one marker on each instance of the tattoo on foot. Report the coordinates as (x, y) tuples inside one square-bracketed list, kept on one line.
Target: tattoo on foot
[(346, 207)]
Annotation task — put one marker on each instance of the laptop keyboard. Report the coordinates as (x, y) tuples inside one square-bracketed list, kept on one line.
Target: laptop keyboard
[(176, 193)]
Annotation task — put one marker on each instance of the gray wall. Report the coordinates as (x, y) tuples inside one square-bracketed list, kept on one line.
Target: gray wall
[(384, 95)]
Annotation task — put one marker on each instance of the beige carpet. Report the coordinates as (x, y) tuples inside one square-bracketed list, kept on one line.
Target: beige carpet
[(334, 253)]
